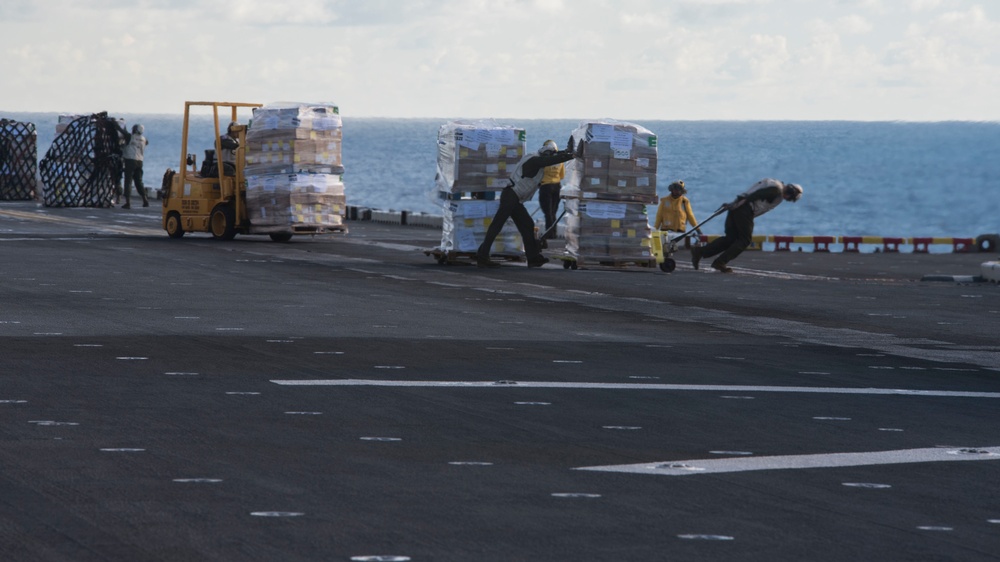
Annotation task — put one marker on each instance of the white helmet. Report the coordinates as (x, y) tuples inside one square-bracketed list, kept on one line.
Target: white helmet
[(796, 190), (548, 147), (137, 129)]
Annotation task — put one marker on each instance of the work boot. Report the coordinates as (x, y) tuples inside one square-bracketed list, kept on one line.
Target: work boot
[(485, 262), (538, 261), (127, 204), (695, 256), (145, 202), (721, 267)]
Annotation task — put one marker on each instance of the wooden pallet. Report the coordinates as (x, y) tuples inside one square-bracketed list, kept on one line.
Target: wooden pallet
[(452, 257), (604, 262)]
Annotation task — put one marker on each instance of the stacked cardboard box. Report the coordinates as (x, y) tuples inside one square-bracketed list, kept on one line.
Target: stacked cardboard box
[(477, 156), (607, 191), (607, 229), (298, 199), (294, 168), (465, 223), (475, 159)]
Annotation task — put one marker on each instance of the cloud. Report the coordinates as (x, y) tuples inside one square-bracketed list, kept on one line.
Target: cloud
[(530, 58), (853, 24)]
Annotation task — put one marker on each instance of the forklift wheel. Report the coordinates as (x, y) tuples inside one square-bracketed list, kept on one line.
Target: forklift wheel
[(173, 227), (281, 236), (222, 222), (668, 265)]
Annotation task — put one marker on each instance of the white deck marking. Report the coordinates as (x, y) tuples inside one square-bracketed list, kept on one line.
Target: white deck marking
[(706, 537), (832, 460), (198, 480), (637, 386)]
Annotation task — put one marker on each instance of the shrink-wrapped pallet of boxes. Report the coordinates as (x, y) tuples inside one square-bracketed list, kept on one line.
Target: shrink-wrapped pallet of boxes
[(465, 223), (294, 169), (288, 138), (477, 156), (607, 230), (474, 162), (296, 199), (607, 191)]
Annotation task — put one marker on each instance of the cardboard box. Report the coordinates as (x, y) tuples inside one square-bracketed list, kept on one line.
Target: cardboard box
[(629, 154), (477, 156), (465, 223)]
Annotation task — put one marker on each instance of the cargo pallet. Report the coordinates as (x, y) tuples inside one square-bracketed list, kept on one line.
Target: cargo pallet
[(450, 257), (585, 262)]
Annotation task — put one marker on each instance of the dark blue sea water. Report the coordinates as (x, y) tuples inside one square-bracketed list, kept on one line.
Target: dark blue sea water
[(860, 178)]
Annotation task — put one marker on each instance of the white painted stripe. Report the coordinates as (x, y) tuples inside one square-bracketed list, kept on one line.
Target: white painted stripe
[(834, 460), (638, 386)]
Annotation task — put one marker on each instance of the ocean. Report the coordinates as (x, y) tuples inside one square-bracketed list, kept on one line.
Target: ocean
[(901, 179)]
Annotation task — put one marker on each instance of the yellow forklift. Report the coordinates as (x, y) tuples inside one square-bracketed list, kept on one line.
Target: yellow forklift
[(213, 199)]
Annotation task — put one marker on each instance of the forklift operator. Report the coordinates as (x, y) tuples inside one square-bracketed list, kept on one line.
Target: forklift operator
[(230, 143)]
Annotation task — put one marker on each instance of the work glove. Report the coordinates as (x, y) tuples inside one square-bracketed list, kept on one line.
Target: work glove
[(569, 144)]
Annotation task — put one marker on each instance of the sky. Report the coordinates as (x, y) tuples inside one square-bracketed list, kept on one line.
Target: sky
[(869, 60)]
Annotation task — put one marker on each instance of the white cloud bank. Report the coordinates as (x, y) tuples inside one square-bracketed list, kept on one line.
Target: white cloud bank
[(632, 59)]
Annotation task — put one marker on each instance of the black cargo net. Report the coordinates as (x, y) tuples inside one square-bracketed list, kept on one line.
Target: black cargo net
[(18, 160), (83, 166)]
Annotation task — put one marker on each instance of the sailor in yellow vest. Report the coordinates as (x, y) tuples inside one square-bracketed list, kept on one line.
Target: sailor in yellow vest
[(674, 212), (548, 197)]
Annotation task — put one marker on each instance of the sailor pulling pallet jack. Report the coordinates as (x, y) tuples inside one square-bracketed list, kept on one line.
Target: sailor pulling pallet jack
[(754, 202), (524, 181)]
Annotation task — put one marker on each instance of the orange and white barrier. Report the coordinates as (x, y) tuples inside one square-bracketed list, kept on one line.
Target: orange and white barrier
[(888, 244), (920, 245), (820, 243)]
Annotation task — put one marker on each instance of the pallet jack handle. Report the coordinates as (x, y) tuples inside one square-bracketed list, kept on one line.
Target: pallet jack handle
[(554, 224), (701, 224)]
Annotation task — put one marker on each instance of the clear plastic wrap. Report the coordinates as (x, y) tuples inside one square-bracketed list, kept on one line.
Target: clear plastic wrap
[(606, 230), (288, 137), (464, 227), (619, 163), (296, 199), (476, 156), (293, 166)]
